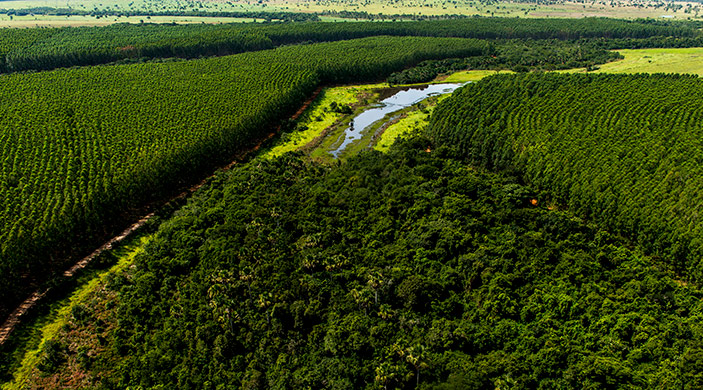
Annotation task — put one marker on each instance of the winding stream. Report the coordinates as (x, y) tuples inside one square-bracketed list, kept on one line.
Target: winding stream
[(396, 102)]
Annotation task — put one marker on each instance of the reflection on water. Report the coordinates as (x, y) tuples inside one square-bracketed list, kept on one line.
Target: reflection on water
[(397, 102)]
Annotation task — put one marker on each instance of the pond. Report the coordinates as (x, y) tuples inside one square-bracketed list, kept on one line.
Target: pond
[(398, 101)]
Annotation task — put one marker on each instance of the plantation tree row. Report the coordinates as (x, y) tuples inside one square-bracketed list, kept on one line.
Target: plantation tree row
[(63, 47), (401, 270), (42, 49), (485, 28), (81, 146), (626, 150)]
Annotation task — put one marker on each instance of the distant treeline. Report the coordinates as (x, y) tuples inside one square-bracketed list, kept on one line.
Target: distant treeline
[(43, 49), (624, 150), (380, 16), (266, 15), (651, 42)]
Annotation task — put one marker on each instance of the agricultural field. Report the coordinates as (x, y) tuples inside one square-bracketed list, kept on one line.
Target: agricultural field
[(49, 48), (87, 176), (507, 9), (98, 160)]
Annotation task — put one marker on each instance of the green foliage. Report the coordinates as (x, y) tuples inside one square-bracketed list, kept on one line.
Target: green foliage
[(427, 71), (196, 11), (387, 271), (80, 314), (486, 28), (547, 55), (53, 355), (340, 108), (621, 149), (42, 49), (518, 55), (81, 146), (390, 270)]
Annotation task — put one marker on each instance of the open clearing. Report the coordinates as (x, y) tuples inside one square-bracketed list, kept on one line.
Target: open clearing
[(687, 60), (465, 76)]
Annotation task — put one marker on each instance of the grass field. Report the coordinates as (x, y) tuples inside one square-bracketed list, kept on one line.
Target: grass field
[(319, 117), (687, 60), (624, 9), (414, 119), (470, 75)]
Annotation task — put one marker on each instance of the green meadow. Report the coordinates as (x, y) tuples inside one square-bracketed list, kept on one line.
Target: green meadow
[(685, 60)]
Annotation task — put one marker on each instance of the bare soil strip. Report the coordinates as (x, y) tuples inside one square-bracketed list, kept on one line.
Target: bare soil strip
[(14, 319)]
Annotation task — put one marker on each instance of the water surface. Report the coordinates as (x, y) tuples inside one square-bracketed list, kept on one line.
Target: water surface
[(400, 100)]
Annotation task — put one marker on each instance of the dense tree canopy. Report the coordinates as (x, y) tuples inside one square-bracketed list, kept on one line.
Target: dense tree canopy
[(41, 49), (621, 149), (389, 271)]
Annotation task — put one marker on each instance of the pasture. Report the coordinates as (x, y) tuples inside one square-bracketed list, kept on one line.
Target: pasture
[(684, 60), (416, 8)]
